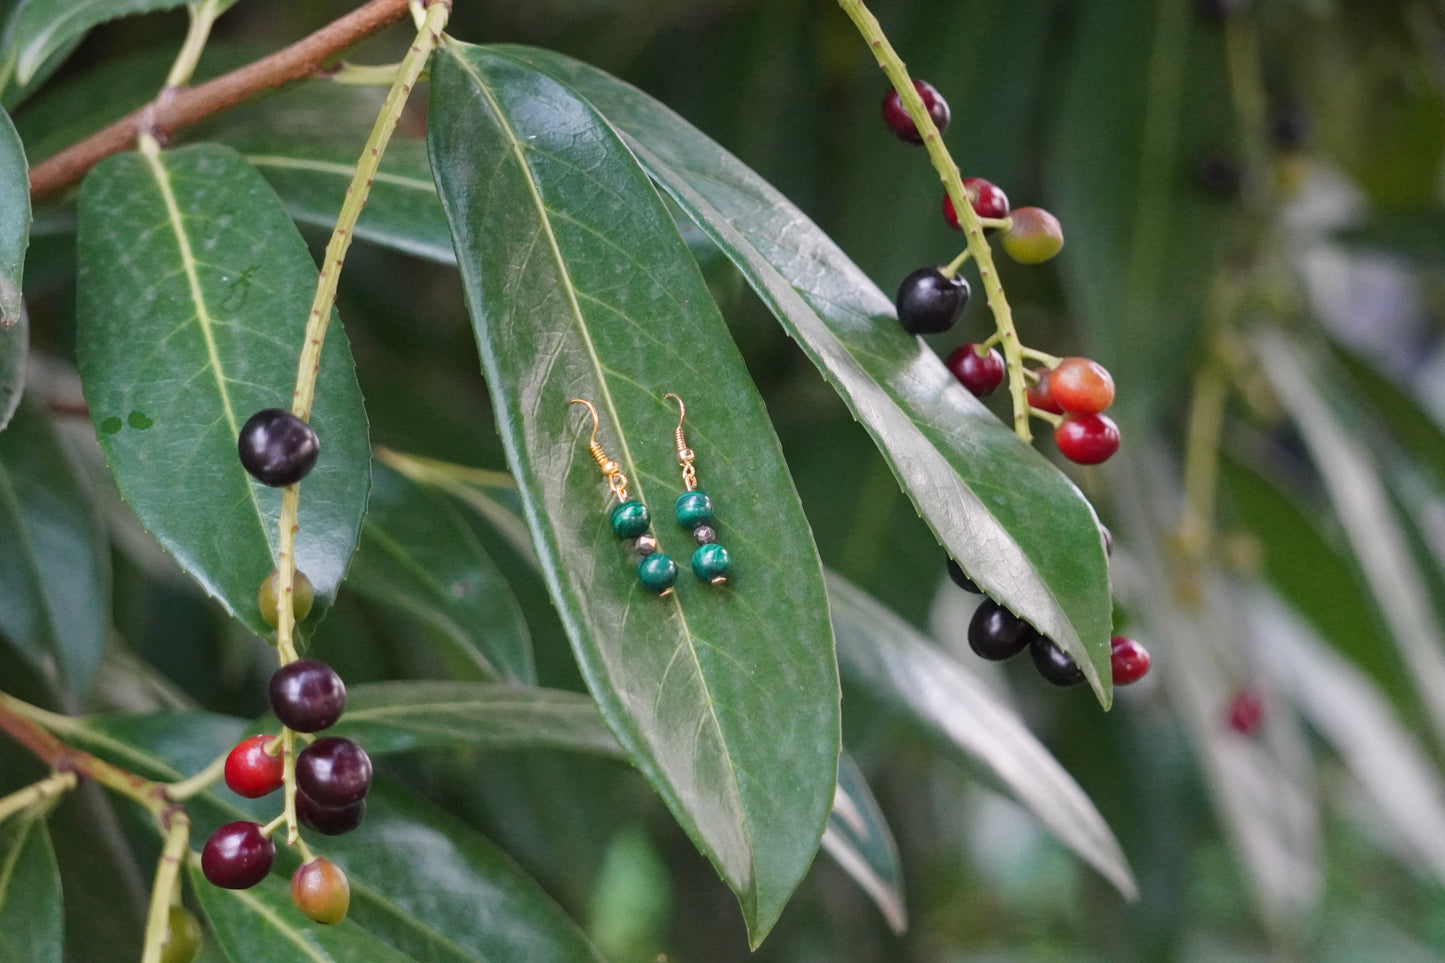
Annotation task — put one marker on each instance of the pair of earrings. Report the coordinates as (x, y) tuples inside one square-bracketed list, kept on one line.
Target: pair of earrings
[(630, 518)]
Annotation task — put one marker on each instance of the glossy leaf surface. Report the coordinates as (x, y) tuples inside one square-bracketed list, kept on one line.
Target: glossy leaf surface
[(859, 840), (31, 929), (402, 716), (976, 484), (54, 568), (194, 288), (14, 355), (14, 229), (579, 286), (418, 553), (906, 675)]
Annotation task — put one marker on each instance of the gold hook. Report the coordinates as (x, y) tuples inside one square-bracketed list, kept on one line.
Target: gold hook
[(685, 455), (610, 469)]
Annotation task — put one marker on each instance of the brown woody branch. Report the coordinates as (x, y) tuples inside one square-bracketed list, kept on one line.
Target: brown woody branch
[(176, 108)]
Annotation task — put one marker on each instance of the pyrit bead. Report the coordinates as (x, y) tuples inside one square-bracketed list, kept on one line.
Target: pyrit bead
[(694, 508), (657, 573), (630, 519), (711, 563), (704, 534)]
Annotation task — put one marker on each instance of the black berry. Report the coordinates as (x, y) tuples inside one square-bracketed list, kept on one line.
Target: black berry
[(277, 448), (996, 634), (307, 696), (901, 124), (961, 579), (237, 856), (329, 820), (334, 771), (1054, 663), (929, 303)]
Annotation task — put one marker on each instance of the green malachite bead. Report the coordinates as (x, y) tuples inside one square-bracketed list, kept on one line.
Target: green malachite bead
[(693, 509), (711, 563), (657, 572), (630, 519)]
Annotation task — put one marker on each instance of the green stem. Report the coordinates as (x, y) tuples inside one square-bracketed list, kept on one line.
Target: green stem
[(957, 263), (48, 788), (163, 891), (201, 781), (968, 219), (203, 16), (358, 75)]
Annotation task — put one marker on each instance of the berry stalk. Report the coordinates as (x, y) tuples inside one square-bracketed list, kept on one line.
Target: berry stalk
[(37, 792), (163, 891), (969, 221), (202, 17)]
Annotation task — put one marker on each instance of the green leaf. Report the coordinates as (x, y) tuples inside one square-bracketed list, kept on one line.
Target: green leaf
[(14, 355), (54, 569), (859, 840), (579, 285), (14, 229), (1016, 524), (418, 553), (194, 289), (888, 660), (390, 717), (260, 925), (31, 925)]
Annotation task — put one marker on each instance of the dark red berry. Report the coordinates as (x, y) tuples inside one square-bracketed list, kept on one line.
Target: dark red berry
[(929, 303), (1246, 712), (277, 448), (251, 771), (1039, 396), (237, 856), (986, 199), (307, 695), (329, 820), (901, 124), (1087, 439), (1053, 663), (333, 771), (1128, 660), (980, 374), (996, 634), (961, 579), (1081, 386)]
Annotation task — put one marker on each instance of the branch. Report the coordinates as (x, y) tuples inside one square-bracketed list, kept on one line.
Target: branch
[(175, 108)]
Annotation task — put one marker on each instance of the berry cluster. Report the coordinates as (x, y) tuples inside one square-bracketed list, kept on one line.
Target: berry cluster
[(1071, 393), (996, 634), (332, 778)]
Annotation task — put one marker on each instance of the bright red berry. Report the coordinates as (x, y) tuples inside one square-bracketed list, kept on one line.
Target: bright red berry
[(1081, 386), (237, 856), (321, 891), (986, 198), (251, 771), (1246, 712), (980, 374), (901, 124), (1087, 439), (1040, 397), (1128, 659), (1034, 237)]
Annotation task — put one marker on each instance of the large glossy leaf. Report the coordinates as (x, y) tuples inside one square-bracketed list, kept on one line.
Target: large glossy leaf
[(1012, 520), (859, 840), (54, 567), (14, 355), (31, 924), (194, 288), (890, 662), (418, 553), (401, 716), (14, 228), (579, 285)]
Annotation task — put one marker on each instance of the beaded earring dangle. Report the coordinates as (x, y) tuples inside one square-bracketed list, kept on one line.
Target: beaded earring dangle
[(630, 518), (710, 562)]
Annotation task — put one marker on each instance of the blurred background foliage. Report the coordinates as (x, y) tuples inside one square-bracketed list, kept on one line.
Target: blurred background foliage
[(1252, 203)]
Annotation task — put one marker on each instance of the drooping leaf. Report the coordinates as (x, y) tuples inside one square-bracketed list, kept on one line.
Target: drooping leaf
[(418, 553), (31, 909), (403, 716), (54, 567), (194, 289), (859, 840), (14, 234), (886, 659), (976, 484), (579, 285)]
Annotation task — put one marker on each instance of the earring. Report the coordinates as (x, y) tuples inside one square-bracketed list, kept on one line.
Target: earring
[(630, 519), (710, 562)]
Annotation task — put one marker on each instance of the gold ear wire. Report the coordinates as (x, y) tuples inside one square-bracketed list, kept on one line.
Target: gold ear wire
[(610, 469), (710, 562), (685, 454)]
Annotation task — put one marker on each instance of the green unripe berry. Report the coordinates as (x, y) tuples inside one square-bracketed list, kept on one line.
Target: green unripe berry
[(302, 596), (1035, 236), (182, 942)]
